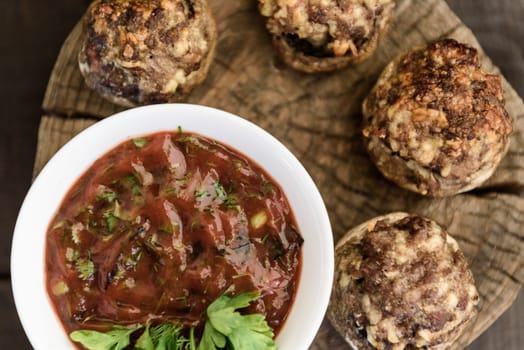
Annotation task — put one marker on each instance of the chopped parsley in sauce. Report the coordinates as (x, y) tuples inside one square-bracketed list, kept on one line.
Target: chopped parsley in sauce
[(159, 227)]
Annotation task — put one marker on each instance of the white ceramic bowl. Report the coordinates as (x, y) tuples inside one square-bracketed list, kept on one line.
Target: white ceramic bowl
[(38, 318)]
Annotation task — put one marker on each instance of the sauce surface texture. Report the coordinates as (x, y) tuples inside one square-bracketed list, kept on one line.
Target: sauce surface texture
[(160, 226)]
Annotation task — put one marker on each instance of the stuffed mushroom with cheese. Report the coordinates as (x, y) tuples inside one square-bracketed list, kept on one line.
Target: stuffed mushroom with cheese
[(138, 52), (401, 282), (325, 35), (435, 123)]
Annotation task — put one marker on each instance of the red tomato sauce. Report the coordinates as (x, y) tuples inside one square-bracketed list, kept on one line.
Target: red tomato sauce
[(161, 226)]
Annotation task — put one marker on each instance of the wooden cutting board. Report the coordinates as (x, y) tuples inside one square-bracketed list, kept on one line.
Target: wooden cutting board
[(318, 118)]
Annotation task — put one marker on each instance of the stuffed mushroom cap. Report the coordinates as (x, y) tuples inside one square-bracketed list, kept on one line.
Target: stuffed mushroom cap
[(435, 123), (325, 35), (401, 282), (138, 52)]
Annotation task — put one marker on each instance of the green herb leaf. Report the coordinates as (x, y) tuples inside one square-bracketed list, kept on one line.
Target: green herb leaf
[(219, 189), (58, 224), (211, 339), (242, 331), (85, 267), (108, 195), (230, 202), (145, 342), (254, 333), (201, 194), (130, 182), (267, 189), (140, 142), (166, 336), (192, 344), (195, 142), (112, 216), (116, 339), (111, 220)]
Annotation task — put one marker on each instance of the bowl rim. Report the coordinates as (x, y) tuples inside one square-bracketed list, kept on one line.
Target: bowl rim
[(309, 307)]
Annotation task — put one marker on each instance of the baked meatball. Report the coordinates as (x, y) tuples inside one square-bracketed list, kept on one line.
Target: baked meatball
[(138, 52), (325, 35), (401, 282), (435, 123)]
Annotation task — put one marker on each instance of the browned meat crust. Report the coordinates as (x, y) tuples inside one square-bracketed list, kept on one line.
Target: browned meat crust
[(321, 36), (139, 52), (435, 123), (401, 282)]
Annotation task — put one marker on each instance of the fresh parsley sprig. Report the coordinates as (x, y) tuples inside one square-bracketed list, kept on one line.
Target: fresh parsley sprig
[(117, 338), (225, 328), (165, 336)]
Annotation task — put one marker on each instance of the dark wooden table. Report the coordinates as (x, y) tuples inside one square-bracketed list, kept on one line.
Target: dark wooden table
[(32, 32)]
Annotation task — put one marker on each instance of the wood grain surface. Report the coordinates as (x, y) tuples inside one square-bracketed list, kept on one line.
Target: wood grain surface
[(318, 118)]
